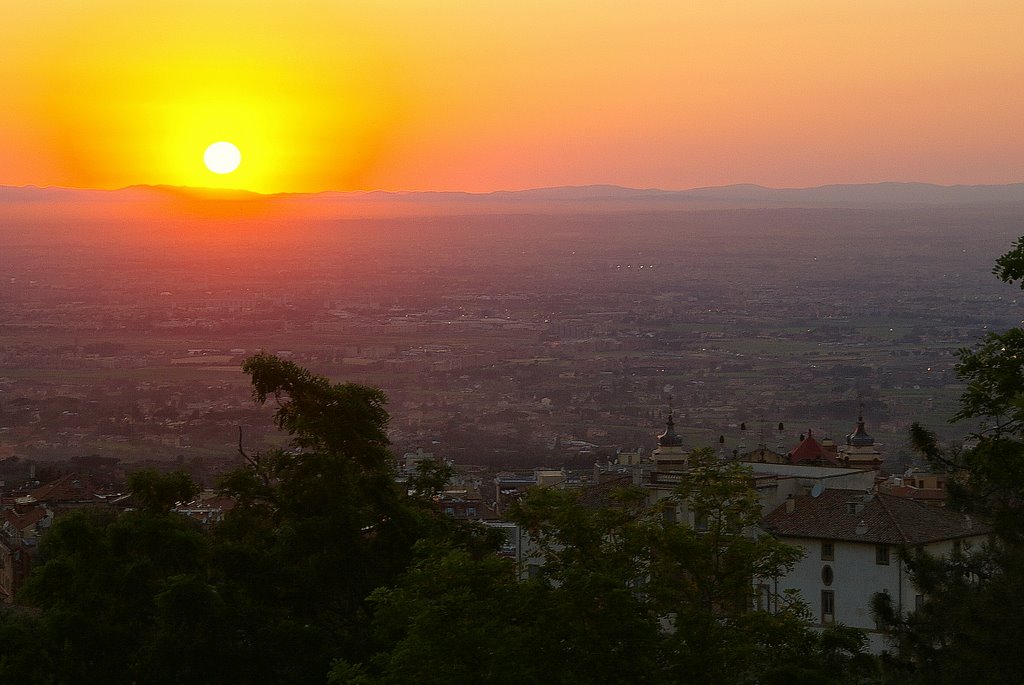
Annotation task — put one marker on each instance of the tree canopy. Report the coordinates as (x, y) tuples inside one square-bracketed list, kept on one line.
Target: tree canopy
[(326, 569), (622, 594), (965, 629), (275, 593)]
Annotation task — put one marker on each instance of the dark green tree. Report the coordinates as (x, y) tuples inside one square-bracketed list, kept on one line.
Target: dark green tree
[(276, 592), (593, 622), (710, 566), (964, 632), (702, 584), (98, 582), (989, 477), (623, 595), (455, 617), (459, 616), (156, 492), (318, 526), (24, 649), (326, 566)]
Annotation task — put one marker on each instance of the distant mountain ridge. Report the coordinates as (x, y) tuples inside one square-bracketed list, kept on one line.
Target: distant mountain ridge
[(873, 193), (876, 193), (556, 199)]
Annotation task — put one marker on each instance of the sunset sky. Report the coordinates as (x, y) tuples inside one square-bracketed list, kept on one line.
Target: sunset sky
[(479, 96)]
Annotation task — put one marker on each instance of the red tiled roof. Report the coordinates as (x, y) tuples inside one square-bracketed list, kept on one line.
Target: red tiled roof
[(20, 520), (71, 487), (810, 450), (886, 519)]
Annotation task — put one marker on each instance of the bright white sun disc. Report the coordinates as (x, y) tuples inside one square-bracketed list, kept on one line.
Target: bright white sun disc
[(222, 158)]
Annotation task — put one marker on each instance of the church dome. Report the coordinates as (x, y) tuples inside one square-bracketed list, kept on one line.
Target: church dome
[(860, 437), (670, 438)]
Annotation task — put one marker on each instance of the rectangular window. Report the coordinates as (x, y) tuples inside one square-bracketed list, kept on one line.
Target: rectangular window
[(669, 514), (764, 597), (700, 522), (882, 555), (918, 602), (828, 552), (828, 606)]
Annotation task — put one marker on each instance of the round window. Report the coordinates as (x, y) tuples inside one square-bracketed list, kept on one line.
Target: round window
[(826, 575)]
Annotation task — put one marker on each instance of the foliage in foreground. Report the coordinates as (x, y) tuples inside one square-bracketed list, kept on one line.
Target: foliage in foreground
[(622, 597), (966, 631), (326, 570)]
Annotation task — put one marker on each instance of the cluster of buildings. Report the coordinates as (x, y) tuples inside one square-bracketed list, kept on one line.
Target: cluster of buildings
[(28, 509), (854, 524), (26, 514)]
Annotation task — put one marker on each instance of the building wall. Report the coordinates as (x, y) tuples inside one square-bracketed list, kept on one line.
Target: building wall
[(15, 564), (7, 571), (856, 578)]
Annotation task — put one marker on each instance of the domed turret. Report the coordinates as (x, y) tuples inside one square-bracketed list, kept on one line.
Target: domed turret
[(860, 437), (860, 450), (670, 438), (670, 454)]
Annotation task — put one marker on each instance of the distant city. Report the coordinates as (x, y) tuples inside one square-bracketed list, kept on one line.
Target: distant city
[(528, 337), (722, 399)]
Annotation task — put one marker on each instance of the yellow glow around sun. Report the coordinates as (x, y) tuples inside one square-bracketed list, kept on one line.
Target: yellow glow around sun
[(222, 157), (293, 135), (342, 95), (307, 110)]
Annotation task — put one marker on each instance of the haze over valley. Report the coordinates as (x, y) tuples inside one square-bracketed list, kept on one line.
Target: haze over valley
[(512, 329)]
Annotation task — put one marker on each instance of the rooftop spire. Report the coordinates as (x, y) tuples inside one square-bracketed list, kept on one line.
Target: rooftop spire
[(670, 438), (860, 437)]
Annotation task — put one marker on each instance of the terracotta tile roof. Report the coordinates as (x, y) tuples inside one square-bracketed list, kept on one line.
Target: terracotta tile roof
[(71, 487), (20, 520), (887, 519), (810, 451)]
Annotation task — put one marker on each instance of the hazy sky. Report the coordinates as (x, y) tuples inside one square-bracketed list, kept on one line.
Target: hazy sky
[(482, 95)]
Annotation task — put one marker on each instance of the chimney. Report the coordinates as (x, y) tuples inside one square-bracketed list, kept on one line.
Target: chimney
[(790, 504)]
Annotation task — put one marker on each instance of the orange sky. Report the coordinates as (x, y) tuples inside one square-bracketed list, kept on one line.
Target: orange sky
[(487, 95)]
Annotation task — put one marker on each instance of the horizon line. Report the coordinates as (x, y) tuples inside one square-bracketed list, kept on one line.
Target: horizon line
[(503, 191)]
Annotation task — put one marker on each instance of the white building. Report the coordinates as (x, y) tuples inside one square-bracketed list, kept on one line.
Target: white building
[(854, 543)]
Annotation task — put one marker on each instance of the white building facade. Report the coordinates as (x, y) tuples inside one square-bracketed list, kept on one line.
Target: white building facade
[(854, 544)]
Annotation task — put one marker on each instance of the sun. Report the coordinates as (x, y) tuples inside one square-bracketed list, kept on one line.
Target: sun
[(222, 157)]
